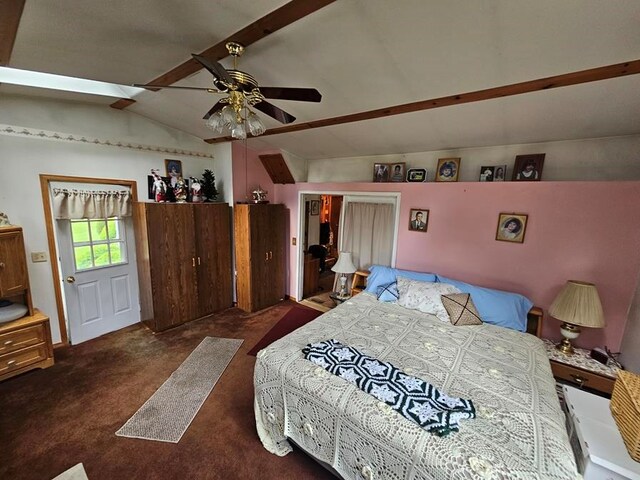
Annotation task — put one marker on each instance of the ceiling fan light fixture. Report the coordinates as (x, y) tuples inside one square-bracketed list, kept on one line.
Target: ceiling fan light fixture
[(228, 116), (214, 122), (239, 132), (256, 127)]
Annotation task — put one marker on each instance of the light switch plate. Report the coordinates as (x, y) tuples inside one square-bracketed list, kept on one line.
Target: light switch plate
[(38, 257)]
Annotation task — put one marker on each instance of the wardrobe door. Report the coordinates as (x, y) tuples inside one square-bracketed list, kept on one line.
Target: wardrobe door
[(173, 263), (276, 265), (260, 220), (213, 257)]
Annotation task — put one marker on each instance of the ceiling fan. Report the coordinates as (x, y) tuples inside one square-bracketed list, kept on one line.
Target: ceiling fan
[(241, 92)]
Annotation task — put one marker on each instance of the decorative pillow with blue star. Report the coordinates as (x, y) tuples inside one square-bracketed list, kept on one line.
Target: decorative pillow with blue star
[(388, 292)]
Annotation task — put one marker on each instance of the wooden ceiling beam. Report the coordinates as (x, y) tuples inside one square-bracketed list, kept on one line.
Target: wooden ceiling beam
[(10, 13), (272, 22), (564, 80)]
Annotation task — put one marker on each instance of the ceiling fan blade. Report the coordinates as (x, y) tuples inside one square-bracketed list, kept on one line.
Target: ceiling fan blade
[(214, 109), (217, 70), (285, 93), (154, 87), (275, 112)]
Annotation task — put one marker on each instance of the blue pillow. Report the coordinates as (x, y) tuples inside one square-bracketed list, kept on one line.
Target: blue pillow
[(379, 276), (496, 307), (388, 293)]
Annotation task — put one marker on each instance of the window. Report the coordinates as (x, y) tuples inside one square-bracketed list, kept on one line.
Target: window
[(98, 243)]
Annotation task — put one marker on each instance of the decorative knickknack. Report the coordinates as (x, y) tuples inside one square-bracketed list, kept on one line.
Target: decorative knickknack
[(159, 187), (180, 191), (208, 186), (4, 220), (196, 190), (259, 195)]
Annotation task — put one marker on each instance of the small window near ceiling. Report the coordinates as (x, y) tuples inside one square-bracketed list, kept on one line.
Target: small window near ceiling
[(98, 243)]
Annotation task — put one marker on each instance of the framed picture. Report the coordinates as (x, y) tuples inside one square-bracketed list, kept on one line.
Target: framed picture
[(315, 207), (528, 168), (448, 169), (418, 219), (174, 171), (397, 172), (511, 227), (493, 173), (416, 175), (381, 172)]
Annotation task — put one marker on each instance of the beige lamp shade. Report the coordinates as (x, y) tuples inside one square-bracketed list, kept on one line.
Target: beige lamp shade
[(578, 303), (344, 264)]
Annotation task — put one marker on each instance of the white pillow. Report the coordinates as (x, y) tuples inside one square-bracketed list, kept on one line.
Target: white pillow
[(424, 296)]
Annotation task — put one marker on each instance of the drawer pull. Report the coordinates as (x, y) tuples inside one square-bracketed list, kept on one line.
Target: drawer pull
[(8, 342), (11, 362), (579, 380), (2, 265)]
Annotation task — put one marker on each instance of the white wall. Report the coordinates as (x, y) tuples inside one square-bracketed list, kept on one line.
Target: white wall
[(23, 158), (611, 158), (313, 224), (630, 346)]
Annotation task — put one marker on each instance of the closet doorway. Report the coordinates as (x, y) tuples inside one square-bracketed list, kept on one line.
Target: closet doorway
[(364, 223)]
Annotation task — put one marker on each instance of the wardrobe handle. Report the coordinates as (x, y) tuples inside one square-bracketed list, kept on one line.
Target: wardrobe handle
[(193, 261), (270, 255), (198, 260), (266, 255)]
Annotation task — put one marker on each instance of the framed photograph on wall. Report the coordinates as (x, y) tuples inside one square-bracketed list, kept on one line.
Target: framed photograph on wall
[(528, 168), (381, 172), (512, 227), (397, 172), (315, 207), (416, 175), (494, 173), (174, 171), (418, 219), (448, 170)]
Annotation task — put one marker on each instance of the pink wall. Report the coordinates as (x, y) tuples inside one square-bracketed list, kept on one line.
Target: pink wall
[(248, 173), (577, 230)]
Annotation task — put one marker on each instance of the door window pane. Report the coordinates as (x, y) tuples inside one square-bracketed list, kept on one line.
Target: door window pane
[(98, 243)]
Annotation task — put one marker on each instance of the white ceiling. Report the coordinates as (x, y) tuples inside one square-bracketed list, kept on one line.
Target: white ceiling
[(361, 55)]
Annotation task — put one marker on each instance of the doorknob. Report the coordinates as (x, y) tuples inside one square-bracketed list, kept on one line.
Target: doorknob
[(70, 279)]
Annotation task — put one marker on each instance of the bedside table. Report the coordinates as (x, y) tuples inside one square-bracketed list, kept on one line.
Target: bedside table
[(580, 369), (595, 439), (359, 281)]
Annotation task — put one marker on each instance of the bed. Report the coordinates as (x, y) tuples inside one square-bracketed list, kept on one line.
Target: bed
[(519, 432)]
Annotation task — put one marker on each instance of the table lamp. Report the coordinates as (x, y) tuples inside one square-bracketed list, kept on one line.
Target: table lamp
[(577, 305), (344, 266)]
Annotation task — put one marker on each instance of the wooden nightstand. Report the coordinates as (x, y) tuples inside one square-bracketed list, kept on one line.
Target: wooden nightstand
[(359, 281), (580, 369)]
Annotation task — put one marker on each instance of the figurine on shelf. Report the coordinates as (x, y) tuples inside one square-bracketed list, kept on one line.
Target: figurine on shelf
[(259, 195), (159, 187), (180, 191), (196, 190)]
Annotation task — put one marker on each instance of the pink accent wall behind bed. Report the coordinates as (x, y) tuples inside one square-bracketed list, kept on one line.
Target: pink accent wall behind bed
[(577, 230)]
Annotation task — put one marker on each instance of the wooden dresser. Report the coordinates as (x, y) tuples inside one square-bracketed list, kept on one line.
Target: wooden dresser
[(260, 255), (25, 343)]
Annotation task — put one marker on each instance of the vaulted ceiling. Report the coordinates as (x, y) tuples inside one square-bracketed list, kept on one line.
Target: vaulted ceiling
[(361, 55)]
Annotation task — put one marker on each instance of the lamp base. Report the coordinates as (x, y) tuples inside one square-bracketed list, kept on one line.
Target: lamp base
[(569, 332)]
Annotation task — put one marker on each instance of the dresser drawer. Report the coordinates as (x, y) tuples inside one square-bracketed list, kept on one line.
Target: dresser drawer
[(22, 358), (25, 337), (582, 378)]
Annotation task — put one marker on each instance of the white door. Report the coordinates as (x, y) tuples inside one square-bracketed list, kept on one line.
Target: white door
[(99, 276)]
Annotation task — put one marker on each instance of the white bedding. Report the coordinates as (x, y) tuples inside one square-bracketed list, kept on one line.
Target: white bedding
[(519, 433)]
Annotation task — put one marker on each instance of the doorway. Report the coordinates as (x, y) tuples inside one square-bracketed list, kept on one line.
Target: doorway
[(93, 263)]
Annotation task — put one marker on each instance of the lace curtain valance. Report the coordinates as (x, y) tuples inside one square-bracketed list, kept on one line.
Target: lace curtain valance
[(76, 204)]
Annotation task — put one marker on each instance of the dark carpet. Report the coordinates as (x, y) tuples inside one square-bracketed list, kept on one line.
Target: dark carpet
[(52, 419), (295, 318)]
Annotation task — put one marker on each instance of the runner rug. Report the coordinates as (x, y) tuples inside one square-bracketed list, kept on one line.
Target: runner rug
[(169, 412)]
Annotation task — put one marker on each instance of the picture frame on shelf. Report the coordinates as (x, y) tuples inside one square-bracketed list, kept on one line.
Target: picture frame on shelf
[(528, 168), (174, 171), (418, 219), (417, 175), (381, 172), (397, 172), (493, 173), (512, 227), (448, 169), (314, 208)]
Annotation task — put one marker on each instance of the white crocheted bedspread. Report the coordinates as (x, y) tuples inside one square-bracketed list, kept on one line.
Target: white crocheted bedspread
[(519, 432)]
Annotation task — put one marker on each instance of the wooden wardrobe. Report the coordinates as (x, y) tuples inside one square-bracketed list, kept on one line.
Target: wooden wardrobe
[(260, 236), (184, 261)]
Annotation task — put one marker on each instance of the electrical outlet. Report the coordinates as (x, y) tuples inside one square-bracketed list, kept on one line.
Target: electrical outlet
[(38, 257), (294, 241)]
